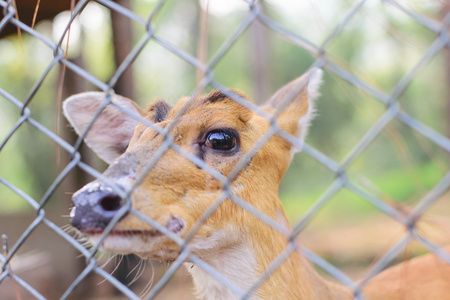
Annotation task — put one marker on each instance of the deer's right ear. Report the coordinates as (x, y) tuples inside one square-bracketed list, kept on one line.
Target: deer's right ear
[(112, 129)]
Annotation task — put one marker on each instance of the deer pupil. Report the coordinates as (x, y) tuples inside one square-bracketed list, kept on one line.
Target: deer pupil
[(221, 140)]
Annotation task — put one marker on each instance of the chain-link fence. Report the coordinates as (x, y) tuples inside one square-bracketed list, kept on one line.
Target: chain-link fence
[(324, 55)]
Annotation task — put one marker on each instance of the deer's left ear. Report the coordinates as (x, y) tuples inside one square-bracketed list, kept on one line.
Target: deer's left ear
[(294, 103)]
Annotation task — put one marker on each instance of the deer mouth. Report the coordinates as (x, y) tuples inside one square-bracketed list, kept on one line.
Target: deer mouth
[(125, 233), (141, 242), (174, 225)]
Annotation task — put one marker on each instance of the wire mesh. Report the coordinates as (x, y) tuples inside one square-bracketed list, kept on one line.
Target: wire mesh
[(254, 14)]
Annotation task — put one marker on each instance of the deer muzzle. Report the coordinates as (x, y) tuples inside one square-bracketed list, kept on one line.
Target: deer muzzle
[(95, 206)]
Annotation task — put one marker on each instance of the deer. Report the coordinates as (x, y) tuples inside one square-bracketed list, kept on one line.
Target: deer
[(176, 191)]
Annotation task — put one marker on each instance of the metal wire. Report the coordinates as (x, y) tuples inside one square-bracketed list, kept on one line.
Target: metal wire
[(393, 111)]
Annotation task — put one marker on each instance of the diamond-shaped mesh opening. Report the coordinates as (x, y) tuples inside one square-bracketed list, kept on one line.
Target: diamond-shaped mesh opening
[(432, 114), (346, 107), (152, 74), (356, 230), (320, 19), (400, 166)]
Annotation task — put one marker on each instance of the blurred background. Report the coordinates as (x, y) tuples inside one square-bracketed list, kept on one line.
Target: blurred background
[(380, 44)]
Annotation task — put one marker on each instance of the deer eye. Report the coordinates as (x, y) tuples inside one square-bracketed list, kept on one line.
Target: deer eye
[(221, 139)]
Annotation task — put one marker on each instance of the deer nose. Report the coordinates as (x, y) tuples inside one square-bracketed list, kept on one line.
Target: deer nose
[(95, 206)]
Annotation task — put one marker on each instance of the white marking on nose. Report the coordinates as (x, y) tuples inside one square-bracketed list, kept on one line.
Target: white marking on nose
[(125, 182)]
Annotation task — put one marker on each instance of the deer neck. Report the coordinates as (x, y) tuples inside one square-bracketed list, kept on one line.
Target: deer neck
[(236, 263), (242, 252)]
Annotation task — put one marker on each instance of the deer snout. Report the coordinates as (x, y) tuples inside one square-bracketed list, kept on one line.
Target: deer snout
[(95, 206)]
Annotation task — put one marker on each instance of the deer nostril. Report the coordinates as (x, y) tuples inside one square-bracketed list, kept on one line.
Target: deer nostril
[(110, 203), (95, 206)]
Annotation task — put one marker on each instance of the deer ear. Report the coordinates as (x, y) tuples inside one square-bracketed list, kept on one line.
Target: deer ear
[(293, 104), (112, 129)]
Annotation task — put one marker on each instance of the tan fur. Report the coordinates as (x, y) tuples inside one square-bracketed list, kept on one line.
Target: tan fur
[(425, 277), (175, 186)]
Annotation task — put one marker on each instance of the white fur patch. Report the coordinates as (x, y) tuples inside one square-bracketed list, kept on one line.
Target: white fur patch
[(234, 260), (314, 82), (118, 244), (145, 247)]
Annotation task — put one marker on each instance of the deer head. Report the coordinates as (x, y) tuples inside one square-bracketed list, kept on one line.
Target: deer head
[(175, 192)]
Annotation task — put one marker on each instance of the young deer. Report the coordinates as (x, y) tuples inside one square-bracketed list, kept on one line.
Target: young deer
[(175, 192)]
